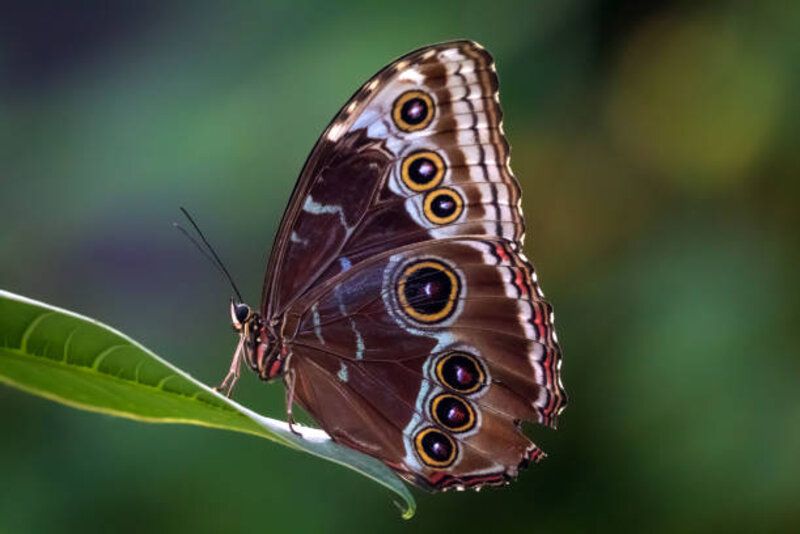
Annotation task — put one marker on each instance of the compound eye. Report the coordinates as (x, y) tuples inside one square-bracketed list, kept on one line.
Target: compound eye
[(239, 314)]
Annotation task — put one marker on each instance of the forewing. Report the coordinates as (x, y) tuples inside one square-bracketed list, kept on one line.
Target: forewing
[(381, 178)]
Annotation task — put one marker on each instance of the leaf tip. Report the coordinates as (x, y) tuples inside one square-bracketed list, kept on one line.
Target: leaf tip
[(407, 509)]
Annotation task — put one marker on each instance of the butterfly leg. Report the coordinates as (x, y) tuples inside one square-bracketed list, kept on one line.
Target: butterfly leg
[(289, 380), (226, 387)]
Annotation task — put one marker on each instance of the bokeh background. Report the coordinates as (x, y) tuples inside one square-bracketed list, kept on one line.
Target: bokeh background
[(657, 147)]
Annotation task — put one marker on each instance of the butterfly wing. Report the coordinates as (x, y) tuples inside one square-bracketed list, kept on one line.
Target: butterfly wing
[(418, 330)]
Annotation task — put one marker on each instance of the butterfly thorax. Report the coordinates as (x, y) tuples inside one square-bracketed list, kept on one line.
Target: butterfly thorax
[(266, 355)]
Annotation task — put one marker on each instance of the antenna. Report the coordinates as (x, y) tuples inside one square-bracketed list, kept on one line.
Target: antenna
[(213, 257)]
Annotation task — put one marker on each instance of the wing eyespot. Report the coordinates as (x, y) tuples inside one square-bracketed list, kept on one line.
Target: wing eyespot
[(413, 111), (435, 448), (461, 372), (443, 206), (422, 170), (428, 291), (453, 413)]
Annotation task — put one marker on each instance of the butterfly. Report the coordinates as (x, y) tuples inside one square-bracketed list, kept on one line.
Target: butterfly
[(398, 307)]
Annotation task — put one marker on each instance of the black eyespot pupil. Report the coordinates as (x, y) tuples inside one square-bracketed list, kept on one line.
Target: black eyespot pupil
[(437, 445), (460, 373), (422, 170), (414, 111), (427, 290), (452, 412), (456, 415), (432, 289), (443, 205), (464, 376)]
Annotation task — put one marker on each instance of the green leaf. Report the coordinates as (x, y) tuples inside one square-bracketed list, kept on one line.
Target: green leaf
[(77, 361)]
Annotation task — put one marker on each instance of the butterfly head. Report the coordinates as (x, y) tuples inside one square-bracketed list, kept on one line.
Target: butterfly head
[(248, 325), (241, 316)]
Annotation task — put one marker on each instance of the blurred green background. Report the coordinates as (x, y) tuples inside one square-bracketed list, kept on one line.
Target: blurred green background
[(657, 147)]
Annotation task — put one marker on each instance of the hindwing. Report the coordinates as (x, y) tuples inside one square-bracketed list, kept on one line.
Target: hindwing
[(449, 338)]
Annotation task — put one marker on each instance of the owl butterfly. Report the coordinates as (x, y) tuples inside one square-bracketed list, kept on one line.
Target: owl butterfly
[(398, 306)]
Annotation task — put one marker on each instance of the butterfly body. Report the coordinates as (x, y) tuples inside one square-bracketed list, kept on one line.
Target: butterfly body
[(398, 305)]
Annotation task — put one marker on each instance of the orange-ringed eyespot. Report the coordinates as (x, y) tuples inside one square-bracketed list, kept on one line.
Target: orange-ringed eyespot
[(427, 291), (443, 206), (422, 171), (412, 111), (435, 448), (452, 412), (460, 372)]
